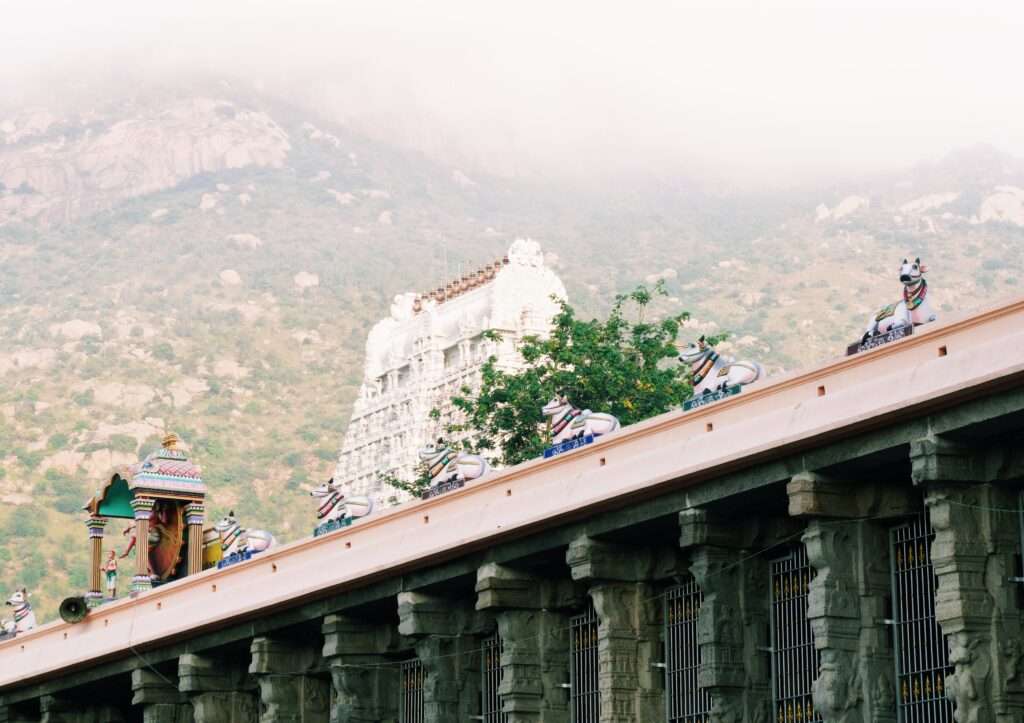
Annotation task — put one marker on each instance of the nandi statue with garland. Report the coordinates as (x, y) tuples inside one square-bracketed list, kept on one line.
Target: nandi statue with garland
[(24, 619), (449, 469), (568, 422), (912, 310), (238, 543), (712, 372), (335, 509)]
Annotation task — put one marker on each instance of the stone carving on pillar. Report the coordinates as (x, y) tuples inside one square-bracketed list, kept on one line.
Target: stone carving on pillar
[(56, 709), (847, 597), (289, 692), (732, 624), (159, 697), (974, 555), (533, 629), (219, 689), (628, 610), (447, 642), (365, 679)]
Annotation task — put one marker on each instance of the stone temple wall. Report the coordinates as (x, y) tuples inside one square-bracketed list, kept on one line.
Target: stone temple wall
[(429, 347)]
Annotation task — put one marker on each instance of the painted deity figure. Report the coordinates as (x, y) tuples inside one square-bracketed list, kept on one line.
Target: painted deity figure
[(333, 505), (443, 464), (569, 422), (235, 538), (109, 570), (914, 309), (24, 619), (712, 372)]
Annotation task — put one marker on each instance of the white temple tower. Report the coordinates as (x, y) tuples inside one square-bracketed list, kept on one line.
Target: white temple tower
[(427, 349)]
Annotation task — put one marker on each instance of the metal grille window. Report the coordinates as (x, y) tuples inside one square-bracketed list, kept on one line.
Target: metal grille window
[(413, 679), (922, 658), (491, 674), (684, 701), (584, 691), (795, 660)]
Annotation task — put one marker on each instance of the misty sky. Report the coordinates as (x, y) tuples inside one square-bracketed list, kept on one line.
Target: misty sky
[(766, 90)]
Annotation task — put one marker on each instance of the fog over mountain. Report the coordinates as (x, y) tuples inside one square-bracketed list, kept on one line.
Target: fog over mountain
[(740, 93)]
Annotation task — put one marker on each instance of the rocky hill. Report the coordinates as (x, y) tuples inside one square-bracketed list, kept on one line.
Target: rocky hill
[(211, 264)]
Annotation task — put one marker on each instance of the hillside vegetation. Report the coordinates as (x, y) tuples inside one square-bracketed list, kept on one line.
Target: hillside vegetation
[(211, 265)]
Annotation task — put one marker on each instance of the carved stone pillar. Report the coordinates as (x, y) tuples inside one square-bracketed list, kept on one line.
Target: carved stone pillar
[(194, 518), (732, 626), (56, 709), (159, 697), (288, 693), (535, 641), (974, 555), (366, 681), (95, 525), (143, 508), (628, 629), (847, 601), (448, 645), (219, 688)]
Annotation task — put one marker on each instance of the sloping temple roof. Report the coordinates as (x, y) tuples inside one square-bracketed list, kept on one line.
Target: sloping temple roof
[(166, 472)]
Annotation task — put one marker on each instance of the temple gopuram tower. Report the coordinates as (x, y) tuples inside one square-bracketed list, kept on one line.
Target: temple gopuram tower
[(429, 347)]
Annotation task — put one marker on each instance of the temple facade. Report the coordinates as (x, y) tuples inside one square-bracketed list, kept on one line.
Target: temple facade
[(429, 347)]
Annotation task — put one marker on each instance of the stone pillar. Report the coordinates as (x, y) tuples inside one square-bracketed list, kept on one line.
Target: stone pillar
[(366, 681), (194, 518), (847, 603), (732, 626), (628, 629), (535, 641), (159, 697), (143, 508), (96, 525), (288, 692), (974, 555), (56, 709), (218, 688), (448, 645), (17, 714)]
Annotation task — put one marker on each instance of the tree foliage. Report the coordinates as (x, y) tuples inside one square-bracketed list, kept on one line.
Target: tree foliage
[(623, 365)]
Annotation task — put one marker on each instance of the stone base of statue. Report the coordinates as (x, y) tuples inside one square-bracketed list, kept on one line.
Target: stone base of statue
[(95, 599), (234, 558), (568, 445), (442, 487), (331, 526), (896, 334), (141, 583), (702, 400)]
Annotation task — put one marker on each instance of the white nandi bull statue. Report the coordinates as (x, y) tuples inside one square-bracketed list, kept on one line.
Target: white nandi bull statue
[(569, 422), (24, 619), (711, 372), (334, 506), (443, 464), (913, 309), (235, 538)]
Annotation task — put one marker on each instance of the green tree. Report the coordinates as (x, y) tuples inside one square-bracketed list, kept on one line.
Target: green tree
[(624, 365)]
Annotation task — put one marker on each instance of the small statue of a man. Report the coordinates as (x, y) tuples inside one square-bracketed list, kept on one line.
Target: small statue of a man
[(109, 569)]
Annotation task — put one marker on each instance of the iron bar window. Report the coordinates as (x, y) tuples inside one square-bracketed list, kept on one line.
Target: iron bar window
[(795, 660), (584, 688), (412, 708), (922, 655), (491, 680), (685, 702)]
